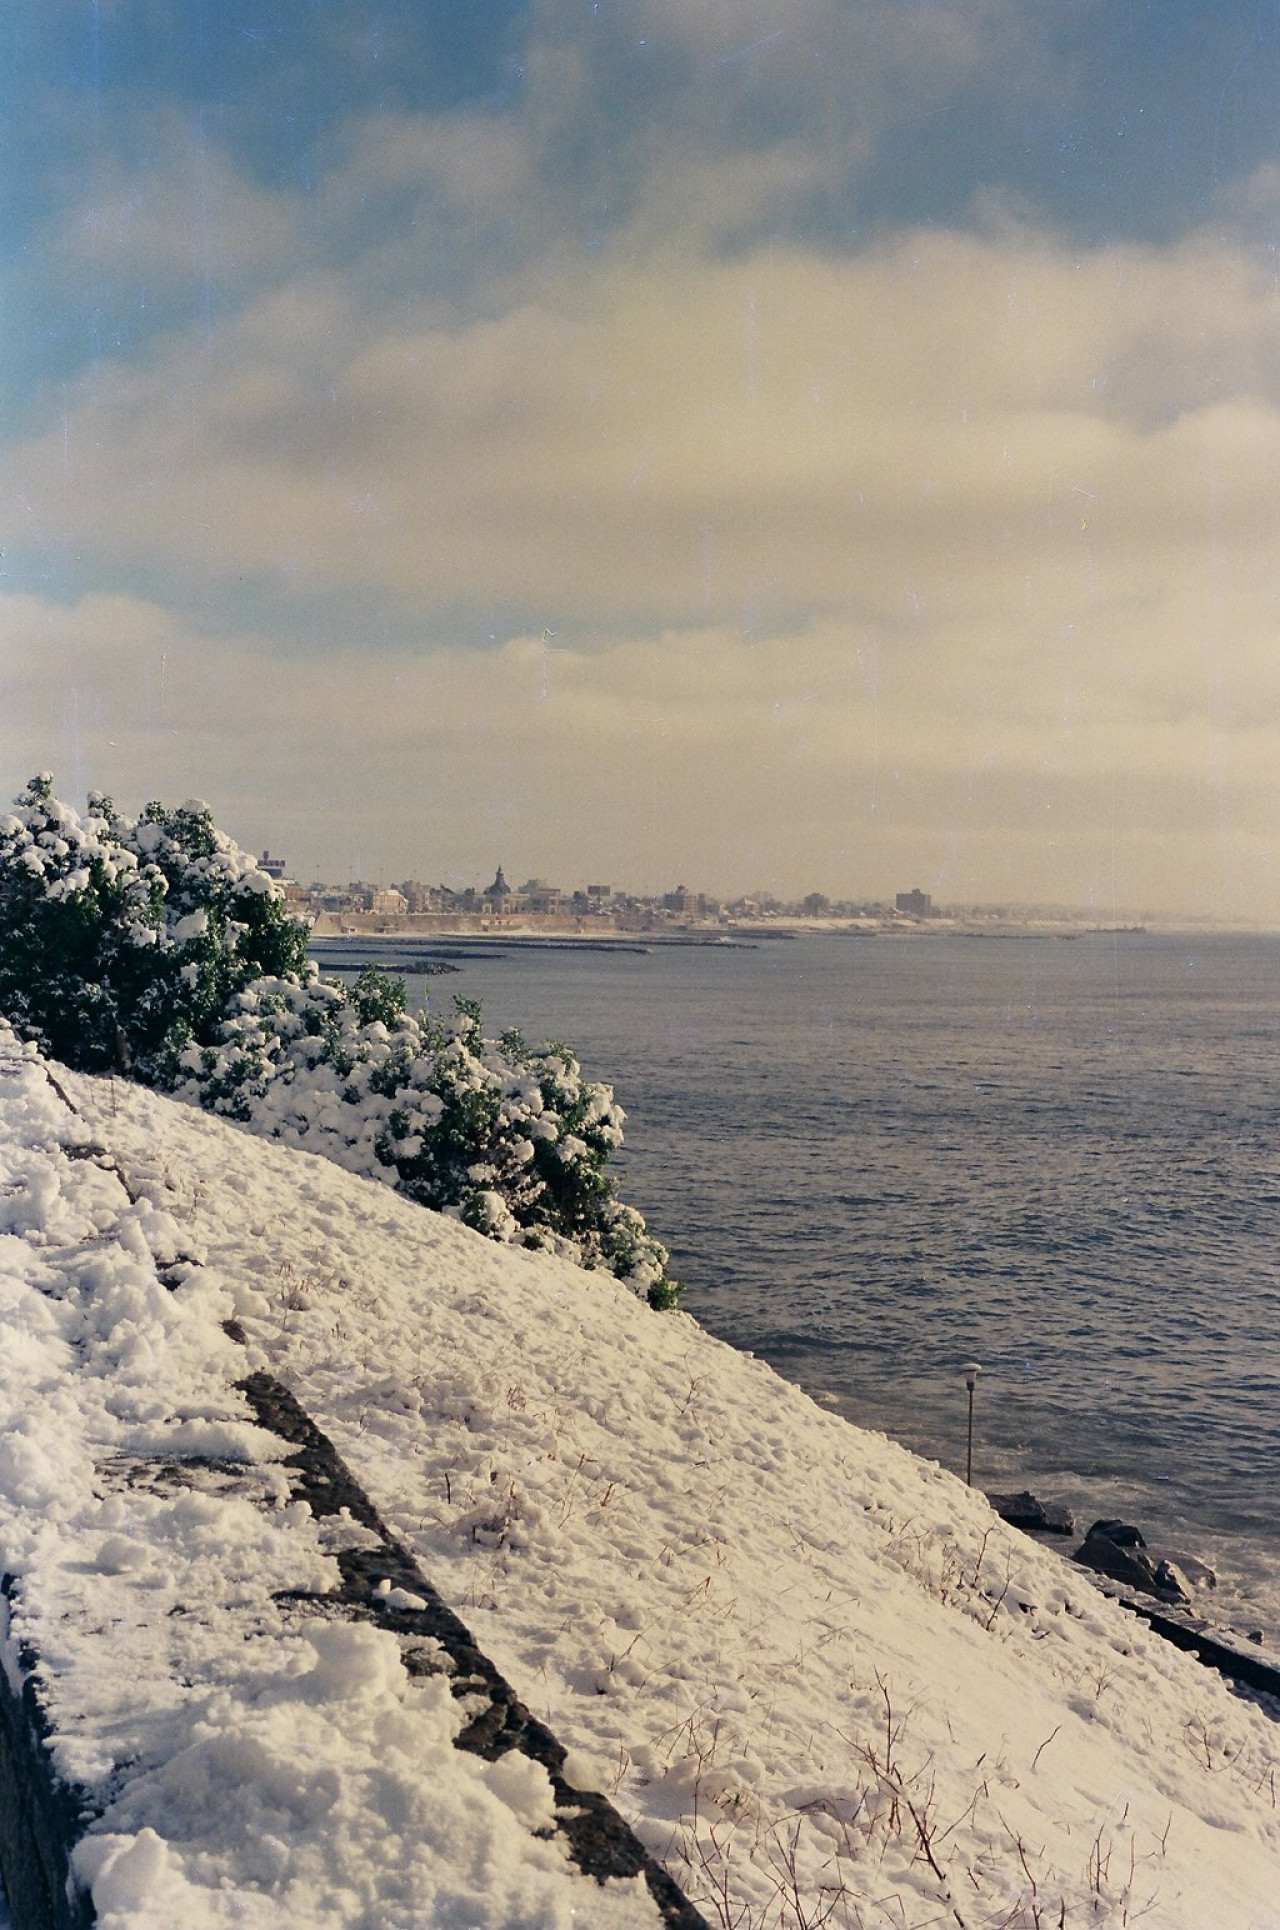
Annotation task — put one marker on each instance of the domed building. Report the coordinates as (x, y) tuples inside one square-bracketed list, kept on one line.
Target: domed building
[(497, 895)]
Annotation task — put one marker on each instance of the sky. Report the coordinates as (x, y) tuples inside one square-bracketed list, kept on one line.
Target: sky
[(758, 444)]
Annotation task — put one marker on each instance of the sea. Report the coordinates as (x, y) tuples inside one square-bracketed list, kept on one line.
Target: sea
[(876, 1160)]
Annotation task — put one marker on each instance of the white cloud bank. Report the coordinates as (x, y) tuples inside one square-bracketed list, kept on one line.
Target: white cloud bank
[(952, 561), (819, 758)]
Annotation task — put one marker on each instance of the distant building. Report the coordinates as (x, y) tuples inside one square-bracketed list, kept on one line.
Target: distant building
[(915, 903), (538, 896), (274, 867), (497, 896)]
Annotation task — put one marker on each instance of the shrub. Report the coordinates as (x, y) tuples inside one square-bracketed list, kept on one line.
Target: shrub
[(511, 1141), (116, 935), (160, 948)]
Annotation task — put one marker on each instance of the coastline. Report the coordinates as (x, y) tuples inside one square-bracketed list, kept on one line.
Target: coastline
[(839, 1215), (605, 930)]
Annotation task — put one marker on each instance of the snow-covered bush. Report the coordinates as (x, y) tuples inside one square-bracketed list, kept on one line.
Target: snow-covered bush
[(159, 948), (116, 935), (514, 1142)]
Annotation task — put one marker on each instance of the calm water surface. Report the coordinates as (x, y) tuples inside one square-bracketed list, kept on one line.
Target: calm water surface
[(875, 1159)]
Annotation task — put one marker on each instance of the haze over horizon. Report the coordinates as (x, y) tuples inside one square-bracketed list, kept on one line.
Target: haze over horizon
[(820, 444)]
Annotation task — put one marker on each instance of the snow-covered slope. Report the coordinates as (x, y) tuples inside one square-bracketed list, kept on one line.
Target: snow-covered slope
[(821, 1680)]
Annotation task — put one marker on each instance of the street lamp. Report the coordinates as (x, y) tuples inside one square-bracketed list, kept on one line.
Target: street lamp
[(971, 1372)]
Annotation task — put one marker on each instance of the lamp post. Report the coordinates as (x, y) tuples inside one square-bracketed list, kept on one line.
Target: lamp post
[(971, 1372)]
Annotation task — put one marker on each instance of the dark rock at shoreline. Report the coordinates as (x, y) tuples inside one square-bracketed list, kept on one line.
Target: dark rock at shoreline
[(1024, 1510), (1131, 1566), (1122, 1533), (1197, 1572)]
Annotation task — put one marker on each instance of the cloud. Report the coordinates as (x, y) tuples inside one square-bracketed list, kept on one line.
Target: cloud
[(471, 161), (179, 215), (817, 758), (946, 423), (866, 556)]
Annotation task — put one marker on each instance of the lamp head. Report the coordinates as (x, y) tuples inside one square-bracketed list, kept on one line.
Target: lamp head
[(971, 1372)]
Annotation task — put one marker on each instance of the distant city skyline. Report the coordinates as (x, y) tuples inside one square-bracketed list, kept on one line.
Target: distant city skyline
[(575, 897), (785, 446)]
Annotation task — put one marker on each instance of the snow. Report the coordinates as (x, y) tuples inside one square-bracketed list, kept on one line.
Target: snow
[(818, 1677)]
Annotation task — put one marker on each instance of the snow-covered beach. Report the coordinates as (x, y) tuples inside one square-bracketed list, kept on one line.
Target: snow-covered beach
[(817, 1676)]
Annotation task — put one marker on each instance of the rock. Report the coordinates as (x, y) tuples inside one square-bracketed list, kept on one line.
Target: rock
[(1169, 1577), (1197, 1572), (1119, 1550), (1107, 1557), (1024, 1510), (1122, 1533), (1132, 1568)]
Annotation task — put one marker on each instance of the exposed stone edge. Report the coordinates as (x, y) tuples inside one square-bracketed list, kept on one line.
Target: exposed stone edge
[(1217, 1648), (41, 1817), (600, 1842), (1207, 1646)]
